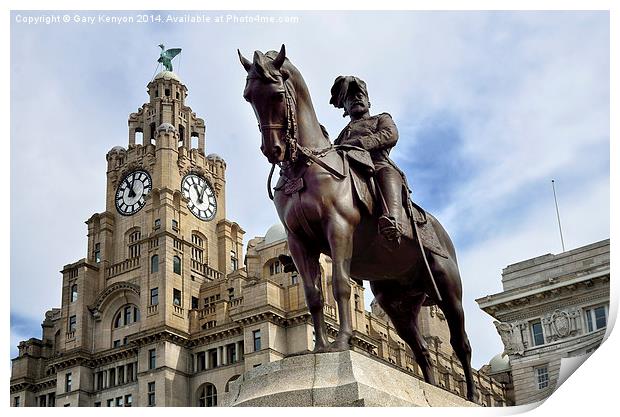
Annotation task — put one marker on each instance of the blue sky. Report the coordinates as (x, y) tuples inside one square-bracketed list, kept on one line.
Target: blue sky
[(490, 107)]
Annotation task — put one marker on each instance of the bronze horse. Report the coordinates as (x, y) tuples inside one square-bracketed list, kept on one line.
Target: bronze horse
[(321, 214)]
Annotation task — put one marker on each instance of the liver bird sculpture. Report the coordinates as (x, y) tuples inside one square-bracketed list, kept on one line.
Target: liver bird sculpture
[(166, 56)]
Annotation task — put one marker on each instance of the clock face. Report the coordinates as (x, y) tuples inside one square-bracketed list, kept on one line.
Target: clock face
[(201, 197), (132, 191)]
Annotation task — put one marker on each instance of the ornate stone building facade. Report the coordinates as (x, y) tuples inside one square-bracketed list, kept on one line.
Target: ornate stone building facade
[(552, 307), (161, 312)]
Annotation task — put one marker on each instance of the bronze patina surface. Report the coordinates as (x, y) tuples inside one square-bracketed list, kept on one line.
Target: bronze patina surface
[(322, 211)]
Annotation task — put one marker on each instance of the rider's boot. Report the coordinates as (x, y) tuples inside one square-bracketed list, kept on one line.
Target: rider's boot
[(390, 182)]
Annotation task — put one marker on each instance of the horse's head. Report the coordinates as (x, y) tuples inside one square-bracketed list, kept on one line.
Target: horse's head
[(266, 91)]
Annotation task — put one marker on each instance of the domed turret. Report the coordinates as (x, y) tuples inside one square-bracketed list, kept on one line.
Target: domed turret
[(275, 233), (499, 363)]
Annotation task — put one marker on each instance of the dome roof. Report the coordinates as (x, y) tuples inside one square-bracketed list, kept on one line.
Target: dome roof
[(275, 234), (499, 363), (167, 75), (214, 156), (117, 149)]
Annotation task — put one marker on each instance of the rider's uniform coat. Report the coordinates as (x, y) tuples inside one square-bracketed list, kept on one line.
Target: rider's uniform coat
[(377, 134)]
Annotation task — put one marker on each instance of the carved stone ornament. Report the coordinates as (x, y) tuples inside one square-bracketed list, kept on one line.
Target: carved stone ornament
[(511, 338), (561, 323)]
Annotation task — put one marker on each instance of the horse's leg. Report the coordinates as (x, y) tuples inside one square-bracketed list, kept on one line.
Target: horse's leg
[(340, 238), (448, 280), (403, 310), (307, 262)]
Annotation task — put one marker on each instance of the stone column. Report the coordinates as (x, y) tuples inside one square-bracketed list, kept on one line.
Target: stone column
[(219, 356), (224, 355)]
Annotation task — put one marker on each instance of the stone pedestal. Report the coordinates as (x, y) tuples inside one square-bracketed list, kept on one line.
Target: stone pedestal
[(333, 380)]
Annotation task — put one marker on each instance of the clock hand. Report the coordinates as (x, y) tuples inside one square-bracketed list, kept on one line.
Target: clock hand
[(203, 192), (130, 185), (198, 193), (132, 193)]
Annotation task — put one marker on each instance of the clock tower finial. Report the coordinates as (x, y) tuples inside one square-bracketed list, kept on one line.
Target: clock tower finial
[(167, 95)]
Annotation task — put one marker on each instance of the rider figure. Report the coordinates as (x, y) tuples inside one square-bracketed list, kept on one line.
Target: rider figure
[(376, 134)]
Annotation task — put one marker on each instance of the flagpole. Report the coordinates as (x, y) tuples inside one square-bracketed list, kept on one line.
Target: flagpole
[(557, 211)]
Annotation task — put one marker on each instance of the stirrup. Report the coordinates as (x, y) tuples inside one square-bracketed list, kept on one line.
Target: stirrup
[(389, 228)]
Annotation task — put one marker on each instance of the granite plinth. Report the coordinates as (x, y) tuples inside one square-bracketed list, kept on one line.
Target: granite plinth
[(334, 380)]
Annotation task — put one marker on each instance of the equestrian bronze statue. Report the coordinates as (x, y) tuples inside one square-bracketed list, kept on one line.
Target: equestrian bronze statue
[(329, 202)]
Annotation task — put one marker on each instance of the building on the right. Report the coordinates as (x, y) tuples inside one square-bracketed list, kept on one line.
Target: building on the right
[(552, 307)]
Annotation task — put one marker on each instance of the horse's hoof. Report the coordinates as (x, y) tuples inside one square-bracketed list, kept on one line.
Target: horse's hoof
[(338, 346), (321, 349)]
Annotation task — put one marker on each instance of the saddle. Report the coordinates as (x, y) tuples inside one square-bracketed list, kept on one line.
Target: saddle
[(362, 175)]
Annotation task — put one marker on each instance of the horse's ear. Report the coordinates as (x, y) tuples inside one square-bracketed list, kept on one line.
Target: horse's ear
[(246, 64), (277, 63)]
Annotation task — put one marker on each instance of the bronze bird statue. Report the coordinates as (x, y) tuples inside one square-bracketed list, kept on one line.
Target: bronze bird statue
[(166, 56)]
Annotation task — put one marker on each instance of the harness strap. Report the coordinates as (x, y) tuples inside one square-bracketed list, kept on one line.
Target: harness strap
[(308, 153), (269, 192)]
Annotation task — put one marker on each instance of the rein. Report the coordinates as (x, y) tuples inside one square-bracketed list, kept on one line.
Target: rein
[(292, 145)]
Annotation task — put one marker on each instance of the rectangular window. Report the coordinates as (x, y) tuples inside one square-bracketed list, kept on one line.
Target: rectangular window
[(112, 375), (176, 297), (194, 302), (130, 372), (97, 253), (117, 343), (175, 225), (72, 323), (42, 401), (16, 401), (256, 336), (157, 224), (121, 374), (213, 358), (596, 318), (68, 382), (128, 400), (234, 263), (51, 399), (154, 296), (201, 358), (119, 401), (294, 278), (99, 378), (537, 333), (110, 402), (74, 293), (151, 394), (542, 377), (231, 351), (152, 358)]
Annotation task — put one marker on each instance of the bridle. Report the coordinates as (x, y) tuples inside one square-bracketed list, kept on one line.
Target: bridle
[(290, 139)]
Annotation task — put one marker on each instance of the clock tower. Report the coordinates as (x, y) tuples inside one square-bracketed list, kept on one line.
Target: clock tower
[(163, 236)]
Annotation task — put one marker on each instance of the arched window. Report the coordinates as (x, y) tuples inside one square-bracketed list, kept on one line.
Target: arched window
[(74, 293), (155, 263), (207, 395), (176, 265), (127, 314)]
